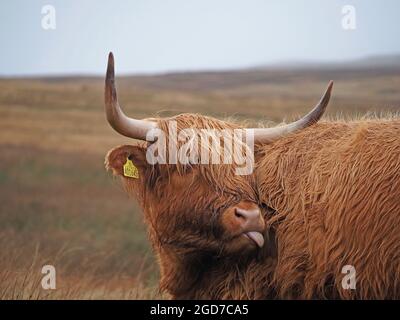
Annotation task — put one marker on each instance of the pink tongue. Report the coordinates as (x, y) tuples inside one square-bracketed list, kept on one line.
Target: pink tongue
[(256, 237)]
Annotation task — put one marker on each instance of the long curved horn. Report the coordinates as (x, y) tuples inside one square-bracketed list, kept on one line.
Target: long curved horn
[(124, 125), (267, 135)]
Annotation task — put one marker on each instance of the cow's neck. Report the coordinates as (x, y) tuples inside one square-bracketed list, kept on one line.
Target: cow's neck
[(202, 276), (180, 273)]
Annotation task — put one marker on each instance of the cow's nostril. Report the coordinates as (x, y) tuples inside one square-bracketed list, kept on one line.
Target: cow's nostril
[(243, 220), (242, 214), (239, 215), (248, 217)]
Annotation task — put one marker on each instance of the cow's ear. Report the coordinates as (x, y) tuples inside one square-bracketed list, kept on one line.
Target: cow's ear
[(133, 156)]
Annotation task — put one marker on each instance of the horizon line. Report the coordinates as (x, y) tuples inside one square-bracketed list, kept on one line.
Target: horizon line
[(296, 65)]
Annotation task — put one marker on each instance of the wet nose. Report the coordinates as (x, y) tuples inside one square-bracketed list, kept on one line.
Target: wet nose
[(249, 219)]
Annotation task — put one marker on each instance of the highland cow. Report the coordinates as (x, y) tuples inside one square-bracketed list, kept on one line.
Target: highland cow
[(322, 197)]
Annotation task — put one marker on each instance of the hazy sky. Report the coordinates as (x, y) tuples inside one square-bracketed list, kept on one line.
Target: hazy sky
[(175, 35)]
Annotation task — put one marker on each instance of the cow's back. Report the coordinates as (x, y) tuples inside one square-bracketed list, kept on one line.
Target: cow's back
[(335, 188)]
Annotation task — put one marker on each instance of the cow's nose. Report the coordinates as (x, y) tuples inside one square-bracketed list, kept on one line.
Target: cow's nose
[(249, 219)]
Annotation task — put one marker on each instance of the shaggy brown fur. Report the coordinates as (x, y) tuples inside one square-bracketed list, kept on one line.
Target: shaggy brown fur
[(182, 205), (335, 188), (330, 196)]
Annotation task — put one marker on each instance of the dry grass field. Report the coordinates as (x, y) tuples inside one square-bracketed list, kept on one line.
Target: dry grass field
[(59, 206)]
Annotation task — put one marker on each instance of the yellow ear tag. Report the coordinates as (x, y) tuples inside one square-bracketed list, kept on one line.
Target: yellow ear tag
[(130, 170)]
